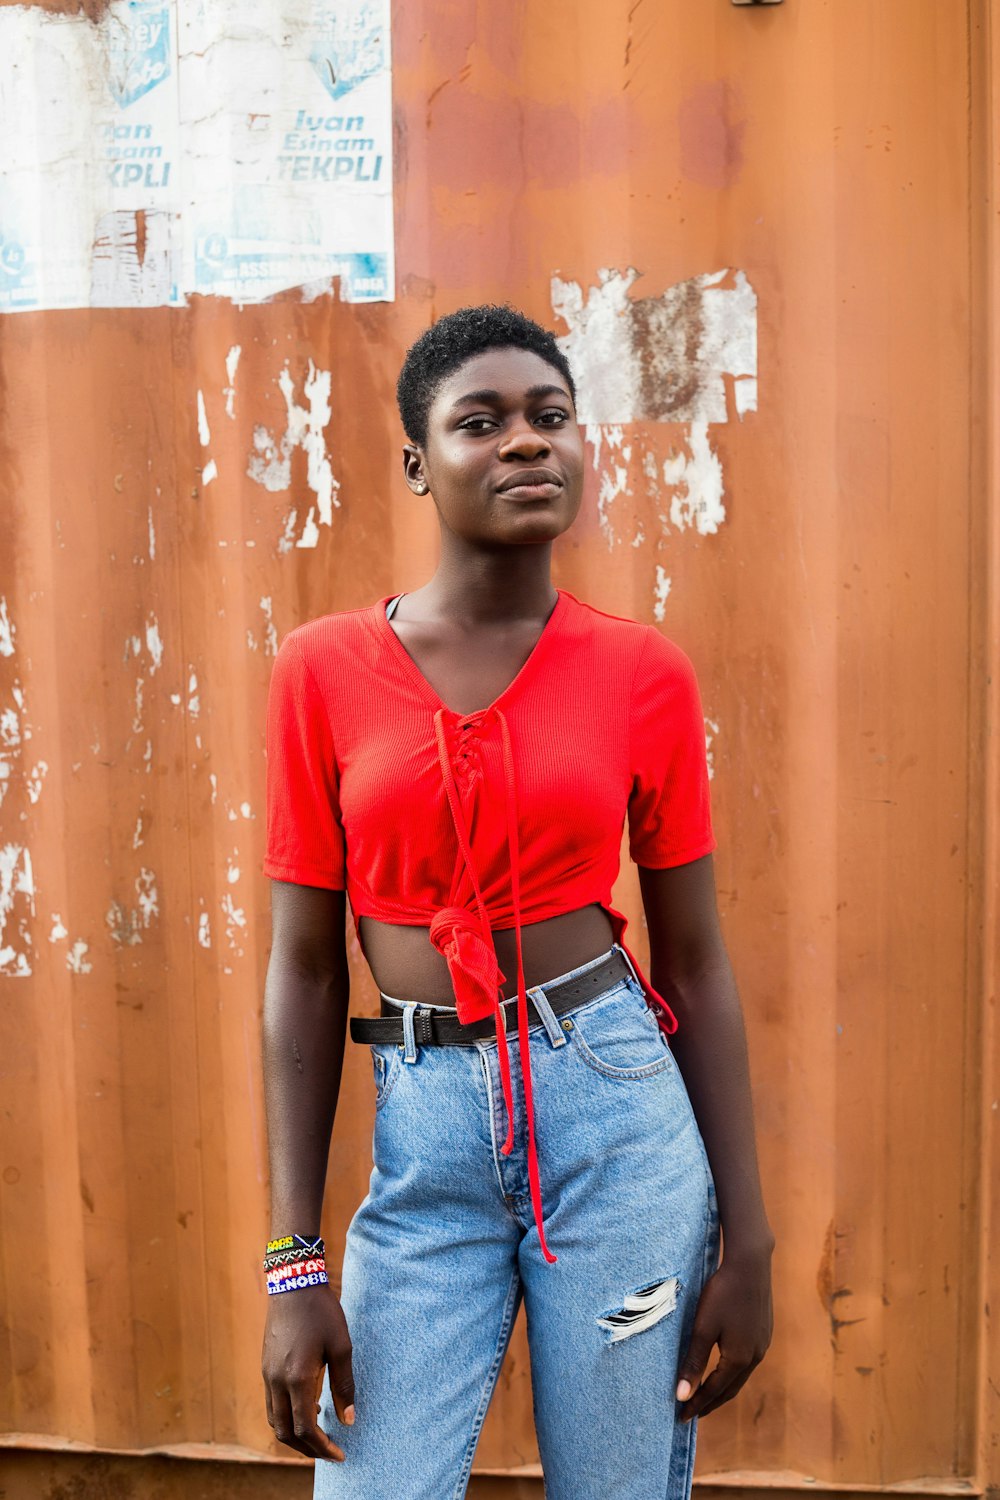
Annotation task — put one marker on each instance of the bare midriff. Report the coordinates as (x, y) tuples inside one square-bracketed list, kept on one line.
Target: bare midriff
[(406, 966)]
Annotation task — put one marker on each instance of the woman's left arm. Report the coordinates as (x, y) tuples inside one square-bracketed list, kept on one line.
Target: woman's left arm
[(690, 968)]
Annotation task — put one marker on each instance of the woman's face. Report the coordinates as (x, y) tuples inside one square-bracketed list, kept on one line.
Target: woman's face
[(504, 453)]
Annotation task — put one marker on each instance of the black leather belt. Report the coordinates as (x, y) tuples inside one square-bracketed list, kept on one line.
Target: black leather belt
[(443, 1029)]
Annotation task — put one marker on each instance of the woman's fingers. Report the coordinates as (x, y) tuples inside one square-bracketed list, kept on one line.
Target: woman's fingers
[(295, 1409), (304, 1392), (342, 1383), (696, 1357), (723, 1383), (735, 1385)]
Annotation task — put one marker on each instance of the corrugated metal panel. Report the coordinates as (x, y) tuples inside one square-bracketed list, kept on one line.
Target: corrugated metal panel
[(820, 550)]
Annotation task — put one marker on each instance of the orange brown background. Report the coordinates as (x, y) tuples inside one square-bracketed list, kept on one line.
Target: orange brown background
[(843, 622)]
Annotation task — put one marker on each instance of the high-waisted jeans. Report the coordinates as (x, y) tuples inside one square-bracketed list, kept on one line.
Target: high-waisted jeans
[(443, 1248)]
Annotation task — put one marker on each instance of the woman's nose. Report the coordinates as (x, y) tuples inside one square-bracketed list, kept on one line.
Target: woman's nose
[(526, 441)]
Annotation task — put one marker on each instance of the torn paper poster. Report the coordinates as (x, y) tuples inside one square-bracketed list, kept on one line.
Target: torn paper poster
[(179, 146), (686, 359), (660, 359)]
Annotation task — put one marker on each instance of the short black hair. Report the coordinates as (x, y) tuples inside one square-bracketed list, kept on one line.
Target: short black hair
[(448, 343)]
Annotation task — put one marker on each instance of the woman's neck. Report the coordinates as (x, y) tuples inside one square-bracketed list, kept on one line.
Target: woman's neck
[(476, 586)]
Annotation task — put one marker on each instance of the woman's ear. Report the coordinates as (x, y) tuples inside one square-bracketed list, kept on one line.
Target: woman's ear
[(413, 469)]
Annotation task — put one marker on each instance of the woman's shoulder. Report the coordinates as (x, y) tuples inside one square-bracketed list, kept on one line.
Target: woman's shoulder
[(636, 651), (341, 630), (621, 633)]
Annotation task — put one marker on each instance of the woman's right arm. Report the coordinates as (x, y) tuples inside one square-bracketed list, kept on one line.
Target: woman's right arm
[(304, 1033)]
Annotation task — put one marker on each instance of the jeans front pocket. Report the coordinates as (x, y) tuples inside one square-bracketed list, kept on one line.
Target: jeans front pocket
[(386, 1059), (618, 1036)]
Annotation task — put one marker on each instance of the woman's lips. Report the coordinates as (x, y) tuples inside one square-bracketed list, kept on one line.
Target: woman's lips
[(532, 491)]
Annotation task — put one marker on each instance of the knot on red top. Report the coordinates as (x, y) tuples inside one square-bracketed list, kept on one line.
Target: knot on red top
[(472, 963)]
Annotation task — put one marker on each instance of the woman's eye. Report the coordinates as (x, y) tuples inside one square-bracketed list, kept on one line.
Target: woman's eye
[(561, 416), (476, 424)]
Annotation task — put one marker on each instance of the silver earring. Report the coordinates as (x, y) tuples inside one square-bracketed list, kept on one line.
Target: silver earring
[(421, 489)]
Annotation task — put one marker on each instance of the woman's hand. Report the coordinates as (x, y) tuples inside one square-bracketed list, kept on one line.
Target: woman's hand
[(305, 1331), (734, 1311)]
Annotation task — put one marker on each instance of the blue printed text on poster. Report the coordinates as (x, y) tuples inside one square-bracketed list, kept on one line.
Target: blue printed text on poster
[(139, 49)]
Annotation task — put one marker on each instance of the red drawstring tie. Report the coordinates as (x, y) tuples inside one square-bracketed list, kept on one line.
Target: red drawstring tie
[(471, 957)]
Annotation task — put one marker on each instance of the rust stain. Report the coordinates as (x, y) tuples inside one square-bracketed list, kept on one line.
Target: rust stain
[(140, 236), (669, 334), (94, 10), (829, 1292)]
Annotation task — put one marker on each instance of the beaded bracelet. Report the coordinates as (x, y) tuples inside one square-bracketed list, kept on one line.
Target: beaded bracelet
[(293, 1262), (305, 1244)]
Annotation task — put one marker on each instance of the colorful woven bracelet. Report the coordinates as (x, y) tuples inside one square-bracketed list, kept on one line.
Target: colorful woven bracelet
[(293, 1247), (318, 1278), (286, 1258), (296, 1268), (299, 1274)]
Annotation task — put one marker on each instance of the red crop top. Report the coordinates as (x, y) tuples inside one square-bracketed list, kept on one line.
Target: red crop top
[(464, 823)]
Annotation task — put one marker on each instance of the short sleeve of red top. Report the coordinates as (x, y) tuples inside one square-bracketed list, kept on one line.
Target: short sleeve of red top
[(669, 814), (305, 839)]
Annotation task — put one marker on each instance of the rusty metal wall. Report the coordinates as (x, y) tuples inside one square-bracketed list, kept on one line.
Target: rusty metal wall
[(839, 602)]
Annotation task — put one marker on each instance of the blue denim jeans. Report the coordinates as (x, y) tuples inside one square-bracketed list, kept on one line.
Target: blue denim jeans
[(443, 1248)]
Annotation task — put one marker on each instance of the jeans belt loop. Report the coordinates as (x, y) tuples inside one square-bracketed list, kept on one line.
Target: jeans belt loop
[(409, 1038), (540, 1001), (631, 965)]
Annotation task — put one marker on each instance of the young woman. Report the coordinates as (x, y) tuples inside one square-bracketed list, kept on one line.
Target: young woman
[(459, 762)]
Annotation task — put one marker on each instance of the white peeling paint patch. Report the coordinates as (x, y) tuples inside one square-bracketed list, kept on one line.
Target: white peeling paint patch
[(659, 359), (270, 464), (613, 480), (58, 930), (236, 922), (245, 809), (232, 868), (660, 594), (137, 839), (204, 434), (137, 716), (10, 721), (6, 630), (126, 924), (711, 733), (229, 391), (76, 958), (152, 536), (16, 880), (14, 732), (697, 482), (270, 633), (193, 704), (35, 777), (210, 470), (204, 930), (213, 782), (154, 644)]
